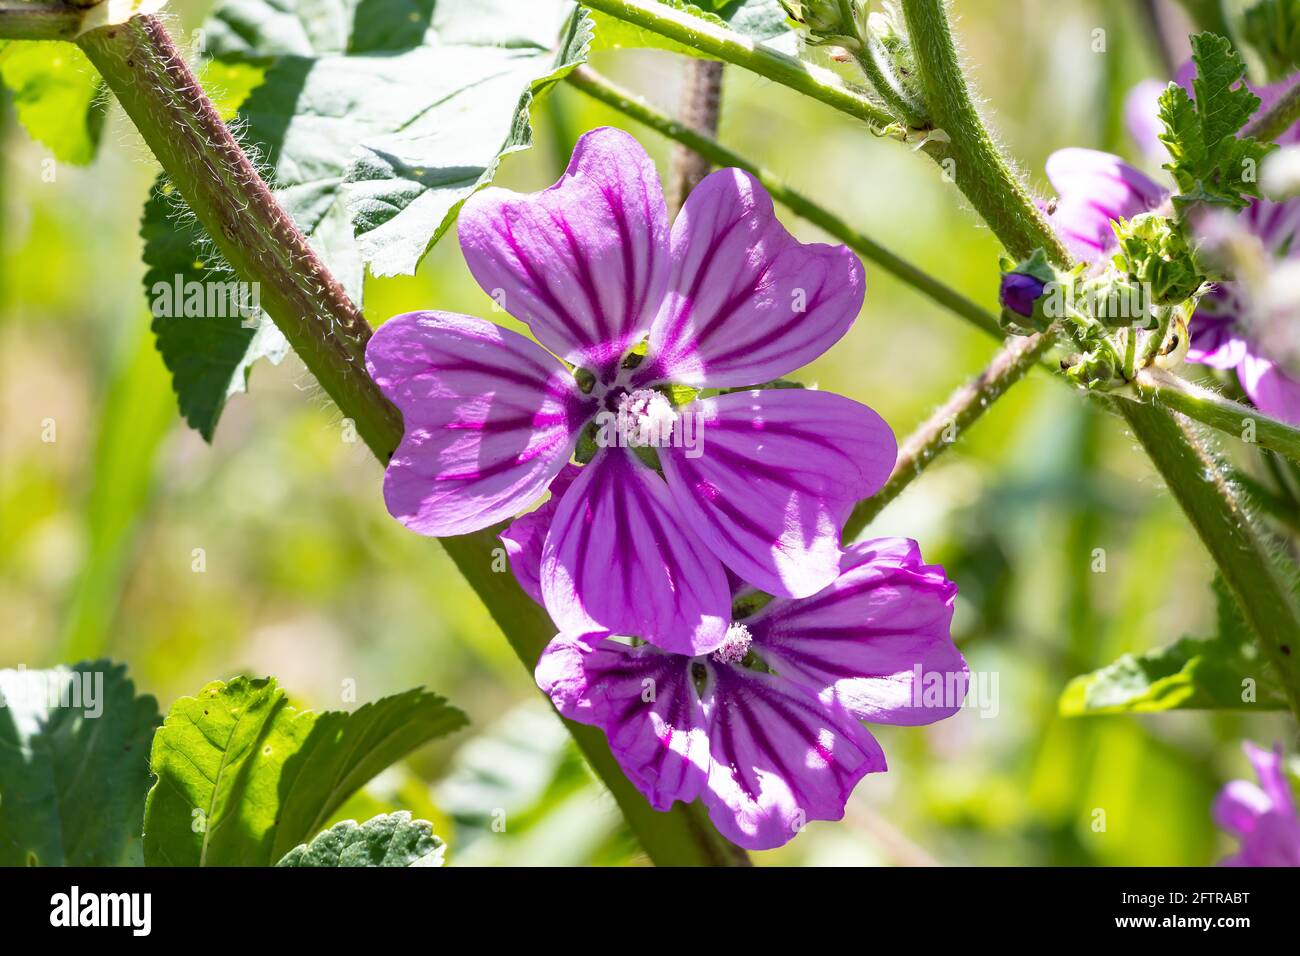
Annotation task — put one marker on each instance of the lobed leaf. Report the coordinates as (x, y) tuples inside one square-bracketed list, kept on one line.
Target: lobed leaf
[(1208, 161), (74, 767), (243, 777), (1225, 672), (387, 840)]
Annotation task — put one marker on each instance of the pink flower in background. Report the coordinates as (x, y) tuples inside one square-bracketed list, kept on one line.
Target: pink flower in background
[(765, 730), (725, 299), (1263, 816)]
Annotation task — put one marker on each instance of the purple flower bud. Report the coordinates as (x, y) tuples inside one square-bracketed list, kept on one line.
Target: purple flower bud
[(1020, 292)]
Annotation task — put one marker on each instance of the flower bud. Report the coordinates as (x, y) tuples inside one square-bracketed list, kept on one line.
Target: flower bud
[(826, 21), (1020, 291)]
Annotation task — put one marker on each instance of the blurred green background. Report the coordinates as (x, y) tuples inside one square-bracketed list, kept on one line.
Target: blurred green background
[(306, 577)]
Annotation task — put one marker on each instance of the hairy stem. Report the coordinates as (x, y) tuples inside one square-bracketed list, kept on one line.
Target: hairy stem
[(1278, 118), (1229, 533), (1248, 424), (910, 112), (629, 104), (729, 46), (966, 150), (207, 166), (151, 80), (698, 109), (942, 429)]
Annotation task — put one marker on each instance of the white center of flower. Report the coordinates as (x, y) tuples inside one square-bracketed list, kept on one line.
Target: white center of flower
[(734, 646), (646, 418)]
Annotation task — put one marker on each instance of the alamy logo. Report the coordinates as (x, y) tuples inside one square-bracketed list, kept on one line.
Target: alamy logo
[(60, 688), (102, 909)]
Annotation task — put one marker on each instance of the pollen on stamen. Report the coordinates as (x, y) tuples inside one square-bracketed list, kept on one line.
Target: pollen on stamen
[(734, 646), (646, 418)]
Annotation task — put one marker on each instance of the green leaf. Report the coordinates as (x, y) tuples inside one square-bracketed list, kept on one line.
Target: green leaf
[(389, 840), (58, 95), (378, 132), (407, 186), (1189, 674), (207, 345), (1208, 161), (243, 777), (74, 744)]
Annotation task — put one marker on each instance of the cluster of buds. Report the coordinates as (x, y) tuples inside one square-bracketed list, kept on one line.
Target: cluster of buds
[(1104, 313)]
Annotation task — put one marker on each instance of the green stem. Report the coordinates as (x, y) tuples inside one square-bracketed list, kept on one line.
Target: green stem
[(1212, 409), (142, 66), (1229, 533), (969, 153), (724, 44), (942, 428), (629, 104), (910, 112), (1278, 118), (27, 20), (1156, 339)]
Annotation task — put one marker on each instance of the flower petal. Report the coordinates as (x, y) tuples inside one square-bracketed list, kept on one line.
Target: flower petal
[(877, 641), (620, 558), (747, 302), (1269, 769), (780, 758), (646, 703), (1142, 119), (1239, 806), (1094, 188), (584, 262), (1214, 339), (1272, 390), (772, 478), (490, 419), (524, 538)]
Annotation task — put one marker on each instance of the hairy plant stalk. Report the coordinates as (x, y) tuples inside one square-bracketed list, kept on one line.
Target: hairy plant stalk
[(1277, 119), (942, 429), (905, 108), (628, 103), (1240, 549), (698, 110), (1247, 424), (723, 44), (205, 163)]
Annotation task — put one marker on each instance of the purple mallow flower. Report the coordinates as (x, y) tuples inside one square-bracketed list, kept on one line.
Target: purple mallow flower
[(725, 299), (765, 729), (1020, 291), (1262, 816), (1095, 188)]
